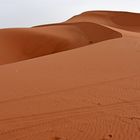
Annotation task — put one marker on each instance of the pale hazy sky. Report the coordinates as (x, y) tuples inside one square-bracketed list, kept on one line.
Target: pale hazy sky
[(24, 13)]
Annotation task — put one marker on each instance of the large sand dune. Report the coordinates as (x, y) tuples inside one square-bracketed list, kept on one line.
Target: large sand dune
[(122, 20), (22, 44), (87, 88)]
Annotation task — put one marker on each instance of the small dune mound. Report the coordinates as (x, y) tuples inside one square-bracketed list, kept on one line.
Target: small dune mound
[(26, 43), (122, 20)]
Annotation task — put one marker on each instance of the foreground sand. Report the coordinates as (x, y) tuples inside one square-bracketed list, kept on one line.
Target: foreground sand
[(88, 93)]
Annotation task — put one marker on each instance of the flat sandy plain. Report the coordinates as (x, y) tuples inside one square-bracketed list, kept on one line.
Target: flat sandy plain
[(76, 80)]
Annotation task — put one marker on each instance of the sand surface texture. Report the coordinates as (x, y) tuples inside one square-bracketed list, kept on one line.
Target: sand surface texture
[(78, 80)]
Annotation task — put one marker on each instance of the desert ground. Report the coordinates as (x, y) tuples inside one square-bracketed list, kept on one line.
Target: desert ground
[(74, 80)]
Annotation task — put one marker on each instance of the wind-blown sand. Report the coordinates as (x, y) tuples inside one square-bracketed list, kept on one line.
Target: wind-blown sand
[(88, 89)]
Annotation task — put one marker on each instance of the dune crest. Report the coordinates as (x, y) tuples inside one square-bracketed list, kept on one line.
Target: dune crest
[(23, 44), (123, 20)]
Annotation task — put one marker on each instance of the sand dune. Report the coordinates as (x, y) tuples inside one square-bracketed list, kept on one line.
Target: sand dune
[(88, 93), (22, 44), (122, 20)]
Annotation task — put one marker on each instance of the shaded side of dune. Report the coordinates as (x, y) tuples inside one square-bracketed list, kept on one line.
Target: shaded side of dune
[(97, 33), (22, 44)]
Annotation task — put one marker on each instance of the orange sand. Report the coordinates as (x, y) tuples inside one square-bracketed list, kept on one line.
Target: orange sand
[(88, 89)]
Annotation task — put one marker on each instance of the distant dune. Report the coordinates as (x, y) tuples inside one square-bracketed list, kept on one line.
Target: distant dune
[(77, 80), (122, 20), (22, 44)]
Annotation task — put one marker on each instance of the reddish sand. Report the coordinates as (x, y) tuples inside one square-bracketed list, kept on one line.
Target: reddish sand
[(122, 20), (88, 93), (22, 44)]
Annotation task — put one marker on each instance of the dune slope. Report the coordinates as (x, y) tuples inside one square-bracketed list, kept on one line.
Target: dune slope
[(64, 95)]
